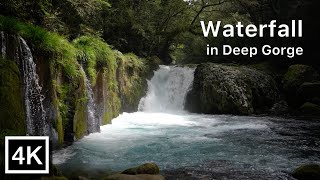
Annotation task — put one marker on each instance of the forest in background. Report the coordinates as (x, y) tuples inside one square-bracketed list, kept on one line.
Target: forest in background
[(169, 29), (113, 46)]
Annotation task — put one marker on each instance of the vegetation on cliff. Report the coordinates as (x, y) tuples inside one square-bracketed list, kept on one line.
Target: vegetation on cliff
[(62, 51), (122, 76)]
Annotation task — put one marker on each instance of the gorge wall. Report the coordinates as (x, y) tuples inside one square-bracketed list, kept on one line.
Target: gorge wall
[(43, 93)]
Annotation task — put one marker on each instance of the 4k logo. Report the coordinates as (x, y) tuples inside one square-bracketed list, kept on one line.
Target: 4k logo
[(26, 155)]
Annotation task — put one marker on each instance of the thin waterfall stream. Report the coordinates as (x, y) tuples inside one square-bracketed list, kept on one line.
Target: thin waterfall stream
[(93, 122), (36, 115)]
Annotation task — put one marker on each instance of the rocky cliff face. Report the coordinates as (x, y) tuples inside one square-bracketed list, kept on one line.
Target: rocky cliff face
[(230, 90), (38, 97)]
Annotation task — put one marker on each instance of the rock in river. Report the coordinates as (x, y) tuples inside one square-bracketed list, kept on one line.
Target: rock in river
[(307, 172), (226, 89)]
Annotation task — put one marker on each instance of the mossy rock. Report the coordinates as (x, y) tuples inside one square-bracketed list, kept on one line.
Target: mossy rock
[(307, 172), (296, 76), (309, 91), (310, 109), (148, 168), (80, 120), (11, 102), (55, 171), (226, 89), (53, 178)]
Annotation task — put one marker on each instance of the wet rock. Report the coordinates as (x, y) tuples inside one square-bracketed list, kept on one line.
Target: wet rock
[(148, 168), (310, 109), (309, 91), (307, 172), (134, 177), (54, 178), (280, 108), (226, 89), (294, 79)]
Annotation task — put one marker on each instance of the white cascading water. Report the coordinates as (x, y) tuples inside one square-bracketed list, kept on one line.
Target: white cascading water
[(35, 113), (93, 122), (3, 42), (167, 89)]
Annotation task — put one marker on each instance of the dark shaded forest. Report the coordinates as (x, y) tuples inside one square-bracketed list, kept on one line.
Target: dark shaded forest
[(168, 29)]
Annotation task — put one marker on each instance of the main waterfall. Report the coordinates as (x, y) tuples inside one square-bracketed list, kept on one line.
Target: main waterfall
[(167, 89)]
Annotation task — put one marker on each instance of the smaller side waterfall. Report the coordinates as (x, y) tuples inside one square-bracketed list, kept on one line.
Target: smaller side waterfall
[(3, 44), (167, 89), (93, 123), (35, 113)]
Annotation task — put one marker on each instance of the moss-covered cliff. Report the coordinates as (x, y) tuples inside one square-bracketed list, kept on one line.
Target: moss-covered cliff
[(118, 80)]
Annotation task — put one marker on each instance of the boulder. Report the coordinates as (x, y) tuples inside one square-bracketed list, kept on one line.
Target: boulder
[(310, 109), (309, 91), (148, 168), (134, 177), (280, 108), (294, 79), (307, 172), (224, 89)]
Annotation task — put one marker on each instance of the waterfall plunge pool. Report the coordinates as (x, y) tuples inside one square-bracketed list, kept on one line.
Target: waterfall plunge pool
[(192, 146), (196, 146)]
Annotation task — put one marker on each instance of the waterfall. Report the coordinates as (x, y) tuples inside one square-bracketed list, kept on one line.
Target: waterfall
[(93, 122), (167, 89), (35, 113)]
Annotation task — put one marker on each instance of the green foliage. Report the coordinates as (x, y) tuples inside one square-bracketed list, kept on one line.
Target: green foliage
[(62, 50), (27, 10), (94, 53), (144, 27)]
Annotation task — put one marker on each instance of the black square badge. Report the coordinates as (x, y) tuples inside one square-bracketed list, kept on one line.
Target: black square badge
[(27, 155)]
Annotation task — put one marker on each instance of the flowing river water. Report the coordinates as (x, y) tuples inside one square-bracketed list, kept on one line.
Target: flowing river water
[(192, 146)]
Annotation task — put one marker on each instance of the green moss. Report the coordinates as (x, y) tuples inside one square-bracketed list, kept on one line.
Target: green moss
[(53, 178), (94, 53), (148, 168), (80, 126), (112, 100), (298, 74), (11, 102), (58, 123), (131, 79), (64, 53), (80, 121), (12, 112)]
